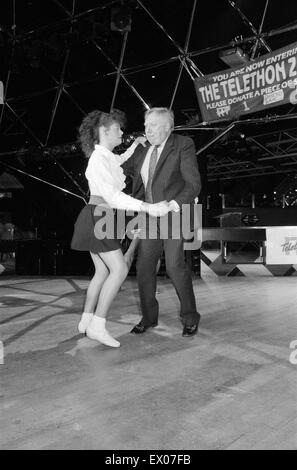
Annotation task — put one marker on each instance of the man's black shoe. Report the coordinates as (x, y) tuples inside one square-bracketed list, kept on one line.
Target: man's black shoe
[(190, 330), (140, 328)]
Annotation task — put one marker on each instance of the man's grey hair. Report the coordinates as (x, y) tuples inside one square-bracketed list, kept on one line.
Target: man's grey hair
[(163, 111)]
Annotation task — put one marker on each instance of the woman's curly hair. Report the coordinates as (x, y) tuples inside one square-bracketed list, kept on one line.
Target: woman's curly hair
[(89, 128)]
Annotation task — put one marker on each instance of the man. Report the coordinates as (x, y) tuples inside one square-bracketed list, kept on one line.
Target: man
[(166, 169)]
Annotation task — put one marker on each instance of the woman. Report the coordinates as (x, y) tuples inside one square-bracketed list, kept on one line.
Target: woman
[(99, 133)]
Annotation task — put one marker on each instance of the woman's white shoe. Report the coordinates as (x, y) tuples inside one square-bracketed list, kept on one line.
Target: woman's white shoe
[(84, 322), (96, 330)]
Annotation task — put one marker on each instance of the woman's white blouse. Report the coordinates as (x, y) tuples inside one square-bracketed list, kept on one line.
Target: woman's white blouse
[(106, 178)]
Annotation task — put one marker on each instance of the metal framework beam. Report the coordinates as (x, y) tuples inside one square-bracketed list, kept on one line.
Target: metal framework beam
[(279, 147)]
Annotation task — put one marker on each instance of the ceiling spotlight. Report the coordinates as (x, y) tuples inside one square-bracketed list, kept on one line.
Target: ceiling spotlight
[(234, 57), (121, 19)]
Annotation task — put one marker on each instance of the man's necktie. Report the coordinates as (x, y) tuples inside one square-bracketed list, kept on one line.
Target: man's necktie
[(151, 171)]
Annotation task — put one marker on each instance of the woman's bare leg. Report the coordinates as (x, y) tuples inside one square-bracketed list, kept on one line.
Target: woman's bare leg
[(101, 273), (118, 270), (93, 291), (130, 253)]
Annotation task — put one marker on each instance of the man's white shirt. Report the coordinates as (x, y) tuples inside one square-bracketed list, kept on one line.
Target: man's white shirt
[(145, 169)]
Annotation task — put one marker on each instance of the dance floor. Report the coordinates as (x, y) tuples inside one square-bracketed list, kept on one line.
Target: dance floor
[(232, 386)]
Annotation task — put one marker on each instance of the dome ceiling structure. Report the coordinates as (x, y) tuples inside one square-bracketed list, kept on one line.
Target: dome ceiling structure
[(61, 59)]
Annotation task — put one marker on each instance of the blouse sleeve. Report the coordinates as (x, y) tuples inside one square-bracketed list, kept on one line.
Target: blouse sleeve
[(126, 155), (99, 173)]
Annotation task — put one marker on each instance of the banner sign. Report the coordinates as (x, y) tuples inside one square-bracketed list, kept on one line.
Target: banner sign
[(268, 81), (281, 245)]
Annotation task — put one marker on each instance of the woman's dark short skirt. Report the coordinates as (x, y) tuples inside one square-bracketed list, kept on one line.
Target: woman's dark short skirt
[(95, 230)]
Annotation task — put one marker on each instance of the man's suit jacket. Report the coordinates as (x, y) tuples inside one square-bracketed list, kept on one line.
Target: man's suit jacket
[(176, 175)]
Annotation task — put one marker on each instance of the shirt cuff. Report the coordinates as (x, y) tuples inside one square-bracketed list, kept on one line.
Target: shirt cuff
[(133, 146), (174, 206)]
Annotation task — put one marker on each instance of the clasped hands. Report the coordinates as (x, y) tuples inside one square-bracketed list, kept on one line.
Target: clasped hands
[(159, 209)]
